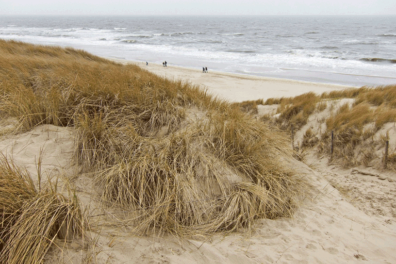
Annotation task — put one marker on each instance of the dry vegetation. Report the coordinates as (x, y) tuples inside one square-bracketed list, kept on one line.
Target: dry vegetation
[(32, 220), (249, 106), (175, 172), (353, 136)]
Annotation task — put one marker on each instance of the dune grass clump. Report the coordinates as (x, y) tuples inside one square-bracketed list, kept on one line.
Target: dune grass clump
[(249, 106), (381, 95), (189, 180), (32, 220), (375, 106), (294, 111), (177, 159), (347, 125)]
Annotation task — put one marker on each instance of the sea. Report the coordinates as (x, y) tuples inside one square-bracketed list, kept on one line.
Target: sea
[(346, 50)]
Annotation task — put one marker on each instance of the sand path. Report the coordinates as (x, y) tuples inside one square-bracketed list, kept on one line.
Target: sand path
[(325, 229)]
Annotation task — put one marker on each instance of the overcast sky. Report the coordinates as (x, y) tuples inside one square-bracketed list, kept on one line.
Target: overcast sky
[(197, 7)]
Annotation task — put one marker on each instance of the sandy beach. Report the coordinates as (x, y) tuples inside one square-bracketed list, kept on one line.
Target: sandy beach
[(237, 87)]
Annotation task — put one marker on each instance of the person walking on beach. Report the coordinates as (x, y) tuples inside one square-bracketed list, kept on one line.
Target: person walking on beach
[(166, 64), (163, 64), (206, 69), (146, 63), (203, 69)]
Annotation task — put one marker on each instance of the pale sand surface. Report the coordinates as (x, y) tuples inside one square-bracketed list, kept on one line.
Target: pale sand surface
[(237, 87), (327, 228), (358, 226)]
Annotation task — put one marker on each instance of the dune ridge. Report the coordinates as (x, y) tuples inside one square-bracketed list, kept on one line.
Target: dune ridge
[(162, 171)]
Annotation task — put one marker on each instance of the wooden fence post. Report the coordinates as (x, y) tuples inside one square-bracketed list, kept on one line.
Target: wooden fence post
[(332, 143), (386, 154), (292, 136)]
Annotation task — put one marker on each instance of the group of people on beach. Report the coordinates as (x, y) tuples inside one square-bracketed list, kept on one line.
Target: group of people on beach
[(165, 64)]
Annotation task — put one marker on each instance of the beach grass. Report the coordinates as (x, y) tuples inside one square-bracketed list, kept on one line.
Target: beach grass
[(179, 160), (32, 220), (353, 125)]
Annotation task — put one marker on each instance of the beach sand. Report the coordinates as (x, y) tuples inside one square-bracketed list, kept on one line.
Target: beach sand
[(328, 227), (237, 87)]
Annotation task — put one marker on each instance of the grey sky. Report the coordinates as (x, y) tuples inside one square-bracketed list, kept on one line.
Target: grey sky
[(197, 7)]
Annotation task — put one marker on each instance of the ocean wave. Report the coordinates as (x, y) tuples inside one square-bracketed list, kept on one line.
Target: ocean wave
[(129, 41), (231, 34), (209, 41), (365, 43), (51, 35), (181, 34), (284, 36), (359, 42), (311, 33), (378, 60), (140, 36), (242, 51), (329, 47), (388, 35)]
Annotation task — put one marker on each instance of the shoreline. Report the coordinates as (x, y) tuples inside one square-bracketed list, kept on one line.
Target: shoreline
[(236, 87)]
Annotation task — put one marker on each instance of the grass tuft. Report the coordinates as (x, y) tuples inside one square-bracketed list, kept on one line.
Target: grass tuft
[(353, 144), (33, 220), (178, 159)]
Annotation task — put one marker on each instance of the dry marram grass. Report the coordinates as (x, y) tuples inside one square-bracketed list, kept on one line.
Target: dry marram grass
[(174, 172), (353, 144), (31, 219)]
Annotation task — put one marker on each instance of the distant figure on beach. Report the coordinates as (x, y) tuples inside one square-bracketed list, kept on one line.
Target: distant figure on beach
[(203, 69), (163, 64), (166, 64), (146, 63), (206, 69)]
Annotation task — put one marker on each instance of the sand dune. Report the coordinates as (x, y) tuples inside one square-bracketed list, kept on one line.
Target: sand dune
[(327, 228), (346, 217), (54, 145), (142, 154)]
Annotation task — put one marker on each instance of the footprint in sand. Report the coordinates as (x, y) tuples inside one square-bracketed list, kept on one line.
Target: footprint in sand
[(311, 246), (316, 232), (270, 234), (332, 250)]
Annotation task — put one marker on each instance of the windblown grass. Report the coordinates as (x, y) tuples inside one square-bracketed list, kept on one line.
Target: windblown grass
[(249, 106), (178, 175), (31, 219), (294, 111), (382, 95), (372, 105)]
